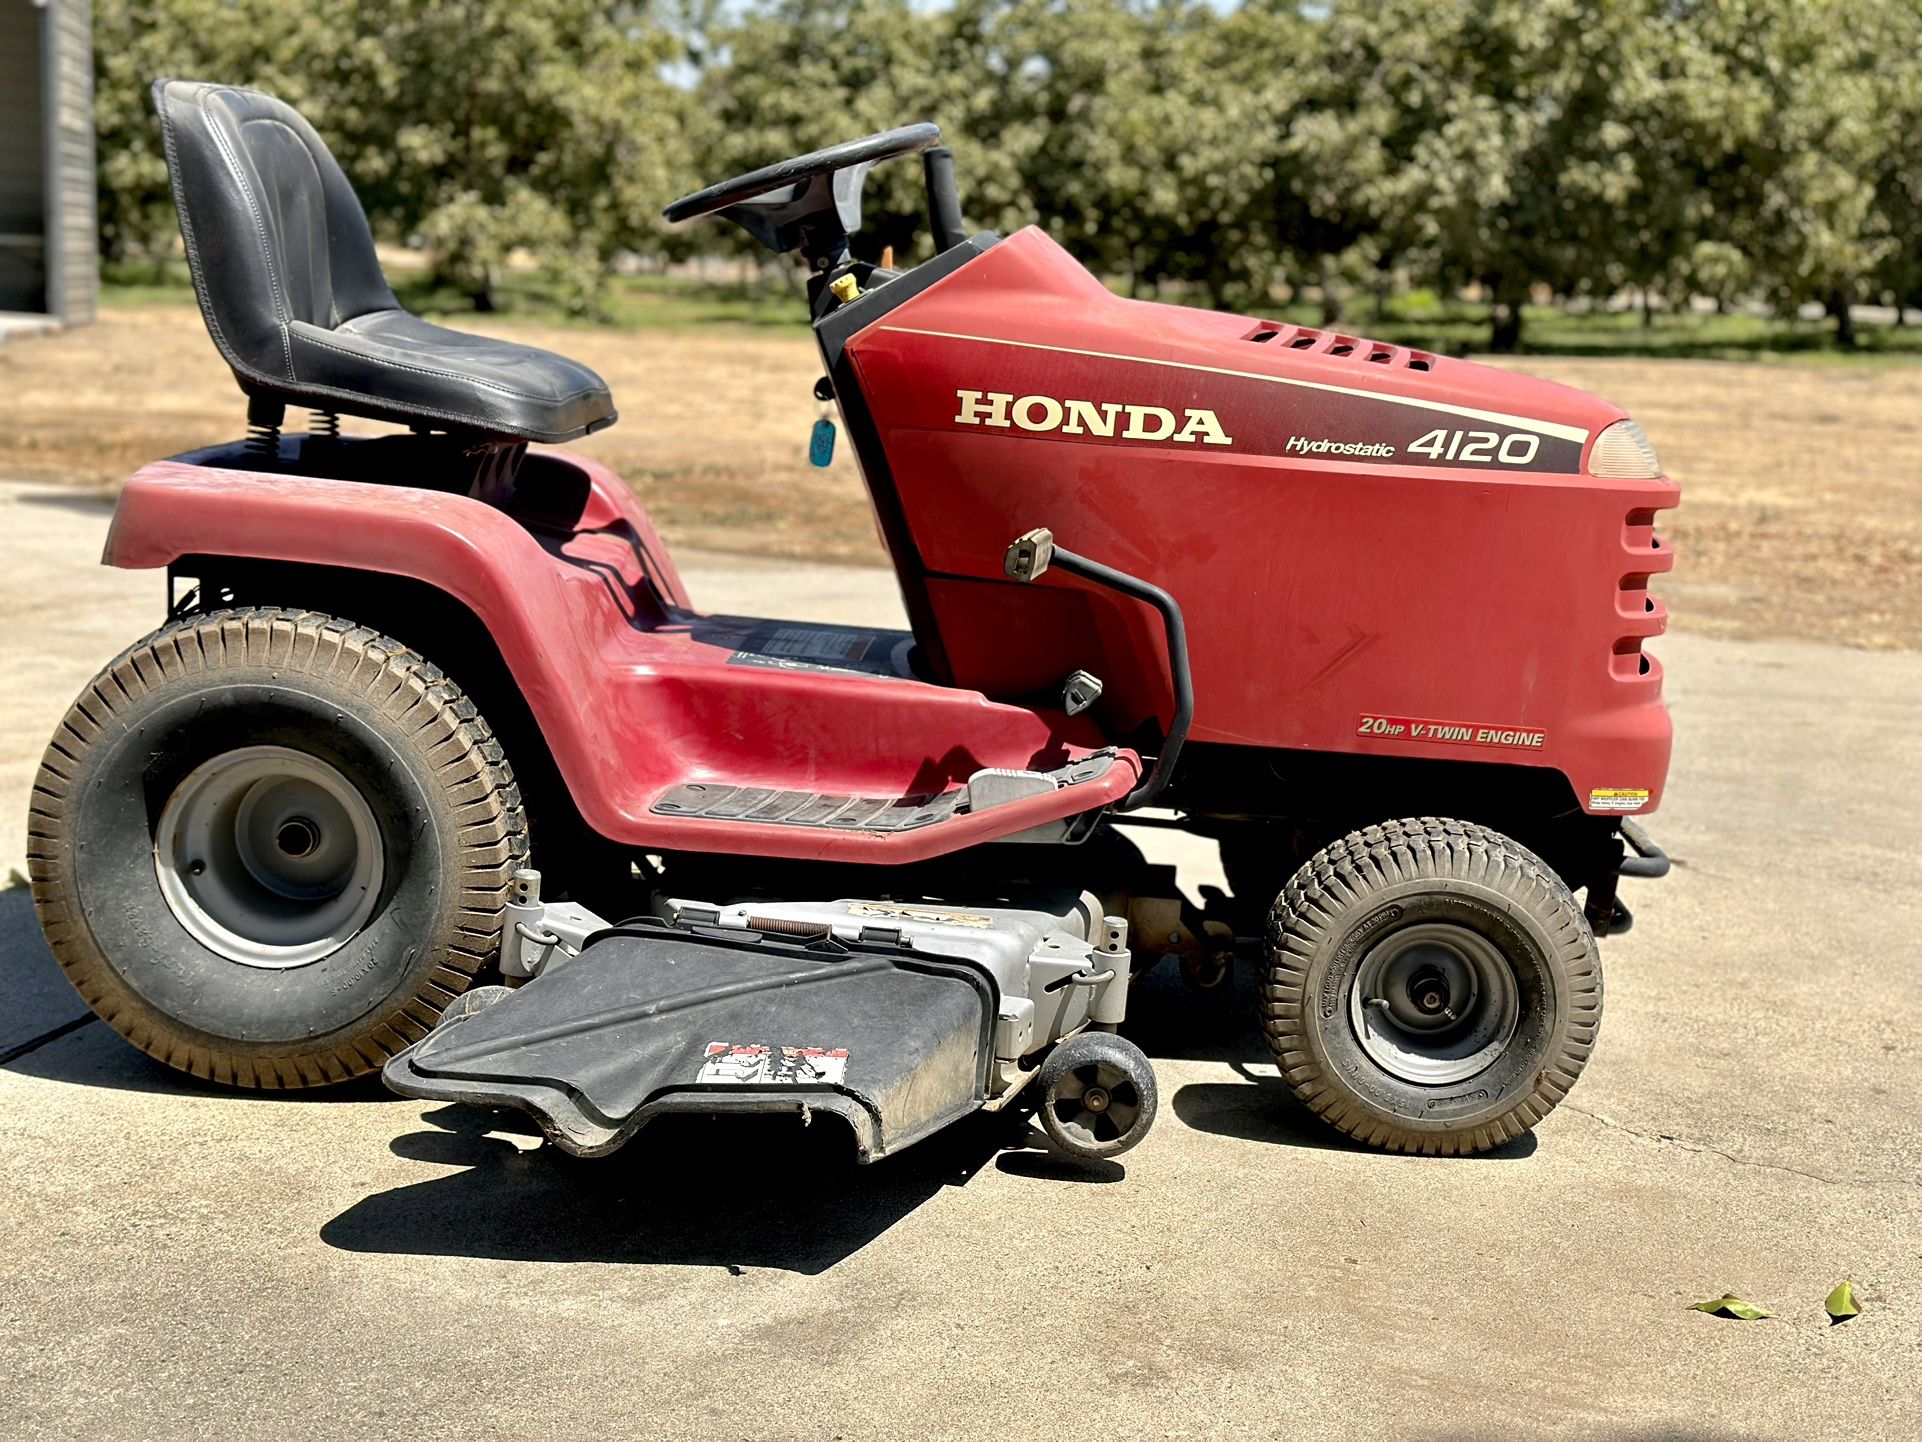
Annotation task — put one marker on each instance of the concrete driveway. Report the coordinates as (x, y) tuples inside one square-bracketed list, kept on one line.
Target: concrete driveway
[(177, 1261)]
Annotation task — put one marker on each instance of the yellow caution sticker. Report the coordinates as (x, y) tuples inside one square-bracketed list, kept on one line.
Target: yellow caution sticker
[(1618, 798), (918, 913)]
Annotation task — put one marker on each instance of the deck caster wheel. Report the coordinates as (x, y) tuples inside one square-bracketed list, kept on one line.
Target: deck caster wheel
[(1431, 987), (1097, 1095), (471, 1002)]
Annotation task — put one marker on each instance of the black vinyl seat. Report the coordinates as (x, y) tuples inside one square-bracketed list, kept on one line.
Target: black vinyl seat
[(283, 262)]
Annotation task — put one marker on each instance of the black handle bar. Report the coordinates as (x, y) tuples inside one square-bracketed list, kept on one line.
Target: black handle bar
[(1036, 552)]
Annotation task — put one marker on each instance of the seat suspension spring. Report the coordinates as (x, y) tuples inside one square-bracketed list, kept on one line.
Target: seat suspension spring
[(263, 428)]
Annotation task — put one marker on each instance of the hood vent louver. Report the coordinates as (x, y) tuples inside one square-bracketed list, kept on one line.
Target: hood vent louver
[(1339, 347)]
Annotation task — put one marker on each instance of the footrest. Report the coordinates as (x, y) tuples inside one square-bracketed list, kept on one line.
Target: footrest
[(718, 801)]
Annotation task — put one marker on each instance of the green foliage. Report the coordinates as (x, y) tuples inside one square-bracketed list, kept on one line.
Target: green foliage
[(475, 128), (1740, 150), (483, 128)]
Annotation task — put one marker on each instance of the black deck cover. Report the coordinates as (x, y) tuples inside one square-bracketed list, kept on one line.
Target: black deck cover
[(657, 1019)]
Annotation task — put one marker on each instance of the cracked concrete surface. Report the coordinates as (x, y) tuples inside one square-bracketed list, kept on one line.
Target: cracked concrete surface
[(1668, 1139), (181, 1262)]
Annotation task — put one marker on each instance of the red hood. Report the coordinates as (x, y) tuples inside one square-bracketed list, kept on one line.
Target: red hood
[(1274, 388)]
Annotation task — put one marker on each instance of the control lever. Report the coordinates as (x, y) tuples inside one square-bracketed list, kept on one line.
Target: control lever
[(1034, 553)]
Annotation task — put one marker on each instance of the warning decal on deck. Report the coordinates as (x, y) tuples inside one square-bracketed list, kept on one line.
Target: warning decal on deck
[(1618, 798), (1450, 733), (729, 1064), (896, 912)]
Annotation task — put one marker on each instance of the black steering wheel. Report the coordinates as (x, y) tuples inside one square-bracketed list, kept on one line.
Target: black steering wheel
[(809, 203)]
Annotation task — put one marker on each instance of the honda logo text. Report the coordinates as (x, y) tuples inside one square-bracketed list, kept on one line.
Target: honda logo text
[(1090, 418)]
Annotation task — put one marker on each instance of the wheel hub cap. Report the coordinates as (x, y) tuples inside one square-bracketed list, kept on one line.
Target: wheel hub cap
[(268, 856), (1434, 1003), (1097, 1103)]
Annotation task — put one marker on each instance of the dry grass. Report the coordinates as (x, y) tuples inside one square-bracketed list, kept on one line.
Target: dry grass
[(1801, 509), (1803, 485)]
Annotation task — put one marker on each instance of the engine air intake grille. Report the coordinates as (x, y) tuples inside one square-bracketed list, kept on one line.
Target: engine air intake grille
[(1339, 347)]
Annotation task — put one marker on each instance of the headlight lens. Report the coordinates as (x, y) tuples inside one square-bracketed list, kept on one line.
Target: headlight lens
[(1622, 453)]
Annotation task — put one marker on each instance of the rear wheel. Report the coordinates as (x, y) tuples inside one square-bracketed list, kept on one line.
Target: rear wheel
[(269, 847), (1432, 986)]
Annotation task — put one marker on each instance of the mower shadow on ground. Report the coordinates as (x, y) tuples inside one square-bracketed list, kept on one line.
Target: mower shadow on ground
[(46, 1030), (1172, 1021), (1261, 1109), (687, 1191)]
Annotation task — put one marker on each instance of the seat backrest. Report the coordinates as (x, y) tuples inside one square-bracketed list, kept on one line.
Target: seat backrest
[(274, 231)]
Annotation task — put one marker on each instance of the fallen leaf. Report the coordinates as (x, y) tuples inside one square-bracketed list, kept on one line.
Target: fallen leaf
[(1731, 1305), (1841, 1304)]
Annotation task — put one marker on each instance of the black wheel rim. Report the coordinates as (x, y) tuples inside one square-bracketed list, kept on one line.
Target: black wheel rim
[(1096, 1104)]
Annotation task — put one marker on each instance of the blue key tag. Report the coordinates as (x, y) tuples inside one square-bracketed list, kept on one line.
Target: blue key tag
[(821, 443)]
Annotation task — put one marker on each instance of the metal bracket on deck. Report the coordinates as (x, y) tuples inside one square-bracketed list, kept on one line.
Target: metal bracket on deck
[(539, 935)]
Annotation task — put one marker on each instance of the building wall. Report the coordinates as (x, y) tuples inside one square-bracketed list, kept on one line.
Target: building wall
[(73, 239), (49, 234), (23, 190)]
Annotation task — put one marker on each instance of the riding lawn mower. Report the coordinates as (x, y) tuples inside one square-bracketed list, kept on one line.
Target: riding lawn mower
[(433, 768)]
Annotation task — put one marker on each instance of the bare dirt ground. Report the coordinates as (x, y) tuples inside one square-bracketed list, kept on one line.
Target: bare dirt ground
[(1803, 484)]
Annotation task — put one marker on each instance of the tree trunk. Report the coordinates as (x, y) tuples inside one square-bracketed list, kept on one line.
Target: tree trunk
[(482, 294), (1844, 319), (1330, 301), (1648, 308), (1505, 320)]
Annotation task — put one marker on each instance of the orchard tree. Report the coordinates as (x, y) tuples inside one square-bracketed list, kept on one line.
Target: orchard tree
[(1898, 169), (1139, 159), (803, 75), (1510, 167), (482, 129), (261, 43), (477, 129), (1796, 89)]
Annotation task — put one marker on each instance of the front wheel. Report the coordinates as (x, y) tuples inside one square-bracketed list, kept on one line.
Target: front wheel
[(1431, 987), (270, 847)]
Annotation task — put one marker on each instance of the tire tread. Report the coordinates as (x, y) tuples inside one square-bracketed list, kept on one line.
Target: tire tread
[(408, 691), (1340, 876)]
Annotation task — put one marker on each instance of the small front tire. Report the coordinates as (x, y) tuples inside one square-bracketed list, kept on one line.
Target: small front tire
[(1431, 987)]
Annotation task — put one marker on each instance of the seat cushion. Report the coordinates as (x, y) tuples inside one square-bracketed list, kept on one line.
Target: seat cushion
[(415, 370), (284, 264)]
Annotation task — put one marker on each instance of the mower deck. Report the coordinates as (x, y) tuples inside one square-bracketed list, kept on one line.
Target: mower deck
[(642, 1025), (895, 1019)]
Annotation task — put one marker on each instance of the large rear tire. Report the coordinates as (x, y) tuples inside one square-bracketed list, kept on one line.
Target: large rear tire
[(1432, 987), (269, 847)]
